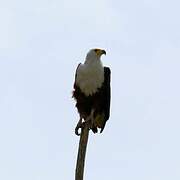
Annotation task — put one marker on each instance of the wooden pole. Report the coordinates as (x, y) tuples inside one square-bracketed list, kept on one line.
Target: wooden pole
[(82, 151)]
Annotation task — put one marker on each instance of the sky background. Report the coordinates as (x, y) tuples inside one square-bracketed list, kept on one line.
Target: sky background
[(42, 42)]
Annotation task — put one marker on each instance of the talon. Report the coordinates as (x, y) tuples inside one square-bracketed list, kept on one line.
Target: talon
[(77, 129), (79, 125), (90, 123)]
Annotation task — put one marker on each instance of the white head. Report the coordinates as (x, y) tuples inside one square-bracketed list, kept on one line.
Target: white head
[(94, 55), (90, 75)]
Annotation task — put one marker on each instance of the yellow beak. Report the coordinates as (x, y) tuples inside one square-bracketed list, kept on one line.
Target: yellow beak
[(100, 52)]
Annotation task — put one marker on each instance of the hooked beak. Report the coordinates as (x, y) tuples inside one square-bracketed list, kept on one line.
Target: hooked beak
[(100, 52), (103, 52)]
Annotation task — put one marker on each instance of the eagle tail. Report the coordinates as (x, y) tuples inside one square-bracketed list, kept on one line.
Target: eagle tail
[(94, 129), (102, 128)]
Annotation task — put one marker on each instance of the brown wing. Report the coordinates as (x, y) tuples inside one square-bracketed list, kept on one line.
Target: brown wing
[(106, 98)]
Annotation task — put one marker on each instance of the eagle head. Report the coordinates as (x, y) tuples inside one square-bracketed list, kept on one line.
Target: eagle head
[(94, 55)]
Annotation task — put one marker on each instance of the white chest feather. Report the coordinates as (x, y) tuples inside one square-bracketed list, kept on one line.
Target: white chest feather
[(90, 78)]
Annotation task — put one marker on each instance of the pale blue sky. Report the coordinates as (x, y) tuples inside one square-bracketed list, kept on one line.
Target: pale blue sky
[(42, 42)]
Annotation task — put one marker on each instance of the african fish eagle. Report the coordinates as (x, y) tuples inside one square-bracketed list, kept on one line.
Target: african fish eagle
[(92, 91)]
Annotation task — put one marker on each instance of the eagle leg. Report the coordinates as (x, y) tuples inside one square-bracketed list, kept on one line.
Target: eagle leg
[(91, 119), (79, 125)]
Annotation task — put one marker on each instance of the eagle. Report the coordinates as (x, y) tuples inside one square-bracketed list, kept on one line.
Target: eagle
[(92, 91)]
